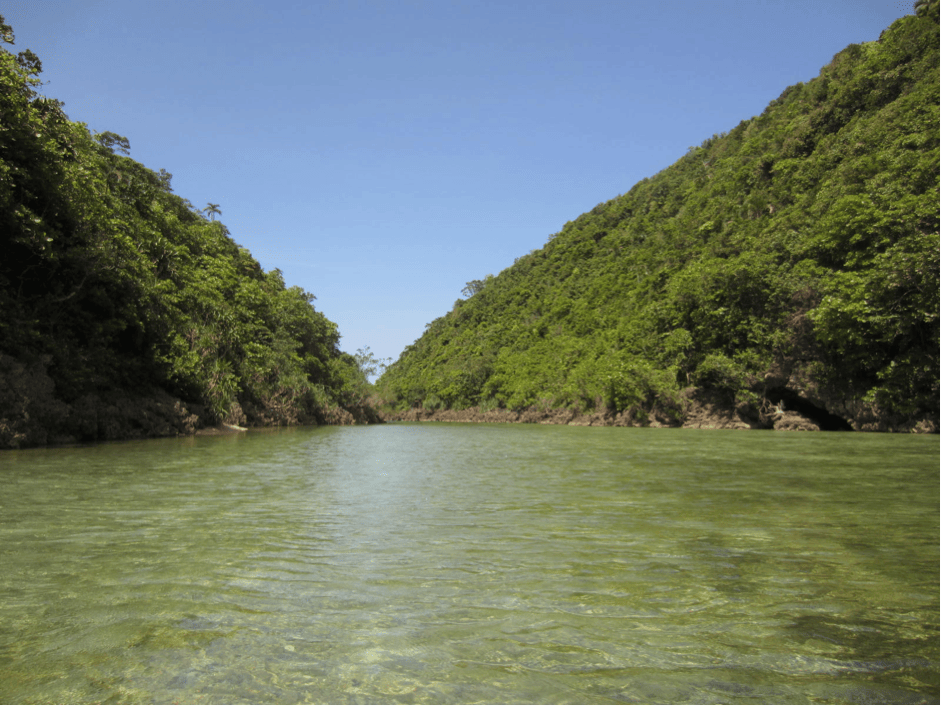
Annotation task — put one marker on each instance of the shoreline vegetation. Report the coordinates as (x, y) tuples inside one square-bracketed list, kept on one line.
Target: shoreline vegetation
[(783, 275), (699, 411)]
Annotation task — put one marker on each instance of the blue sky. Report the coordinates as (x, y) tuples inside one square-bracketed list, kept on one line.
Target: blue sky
[(383, 154)]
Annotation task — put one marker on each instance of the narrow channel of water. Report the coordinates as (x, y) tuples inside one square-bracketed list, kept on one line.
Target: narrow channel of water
[(452, 563)]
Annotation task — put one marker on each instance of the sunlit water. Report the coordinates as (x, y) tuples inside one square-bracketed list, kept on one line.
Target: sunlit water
[(472, 563)]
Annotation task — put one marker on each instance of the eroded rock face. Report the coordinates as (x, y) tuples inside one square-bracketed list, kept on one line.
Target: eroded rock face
[(117, 415), (832, 411), (792, 421), (32, 415), (706, 413), (29, 410)]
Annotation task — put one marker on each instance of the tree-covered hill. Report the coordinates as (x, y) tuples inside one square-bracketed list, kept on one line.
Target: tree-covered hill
[(124, 310), (791, 263)]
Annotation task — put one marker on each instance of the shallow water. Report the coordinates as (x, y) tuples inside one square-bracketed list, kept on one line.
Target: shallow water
[(454, 563)]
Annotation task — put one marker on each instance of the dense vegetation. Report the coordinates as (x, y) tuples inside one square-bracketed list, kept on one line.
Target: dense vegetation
[(792, 260), (126, 311)]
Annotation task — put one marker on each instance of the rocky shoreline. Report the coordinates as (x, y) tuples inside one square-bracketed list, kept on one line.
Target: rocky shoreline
[(32, 413), (699, 412), (699, 416)]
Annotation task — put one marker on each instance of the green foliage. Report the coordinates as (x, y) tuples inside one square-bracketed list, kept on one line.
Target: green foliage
[(804, 241), (475, 285), (212, 210), (118, 283), (723, 375), (369, 364), (927, 8)]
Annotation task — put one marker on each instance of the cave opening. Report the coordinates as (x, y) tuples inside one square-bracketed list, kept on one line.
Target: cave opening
[(819, 416)]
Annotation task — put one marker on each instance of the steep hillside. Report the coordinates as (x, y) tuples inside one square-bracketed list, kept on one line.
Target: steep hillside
[(124, 310), (790, 264)]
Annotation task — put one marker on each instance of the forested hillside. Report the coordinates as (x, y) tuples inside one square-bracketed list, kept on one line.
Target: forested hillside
[(791, 263), (124, 310)]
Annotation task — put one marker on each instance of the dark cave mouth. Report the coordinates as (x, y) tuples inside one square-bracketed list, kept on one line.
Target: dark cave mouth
[(819, 416)]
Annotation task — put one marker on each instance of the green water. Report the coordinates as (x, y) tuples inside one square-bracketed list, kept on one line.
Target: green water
[(411, 563)]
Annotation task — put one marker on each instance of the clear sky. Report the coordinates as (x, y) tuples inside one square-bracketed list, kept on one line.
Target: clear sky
[(382, 153)]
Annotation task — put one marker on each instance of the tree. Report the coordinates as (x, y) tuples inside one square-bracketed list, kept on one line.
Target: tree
[(211, 210), (927, 8), (6, 31), (475, 285), (28, 61), (369, 364), (112, 141)]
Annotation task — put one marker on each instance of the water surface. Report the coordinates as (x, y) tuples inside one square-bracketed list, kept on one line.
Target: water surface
[(453, 563)]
